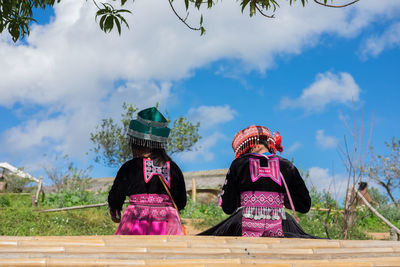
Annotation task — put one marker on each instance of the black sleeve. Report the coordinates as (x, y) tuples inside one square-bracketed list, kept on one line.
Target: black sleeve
[(117, 194), (178, 188), (297, 188), (230, 195)]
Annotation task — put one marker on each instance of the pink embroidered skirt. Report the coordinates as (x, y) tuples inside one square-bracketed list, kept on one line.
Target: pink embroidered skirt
[(150, 214), (262, 213)]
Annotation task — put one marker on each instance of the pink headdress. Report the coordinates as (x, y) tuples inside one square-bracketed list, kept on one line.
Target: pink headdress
[(250, 137)]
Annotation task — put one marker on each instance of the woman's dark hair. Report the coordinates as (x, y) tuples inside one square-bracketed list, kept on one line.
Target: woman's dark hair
[(362, 186), (158, 155), (262, 142), (265, 143)]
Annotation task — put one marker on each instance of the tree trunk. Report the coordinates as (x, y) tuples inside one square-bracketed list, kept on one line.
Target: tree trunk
[(349, 216), (390, 194)]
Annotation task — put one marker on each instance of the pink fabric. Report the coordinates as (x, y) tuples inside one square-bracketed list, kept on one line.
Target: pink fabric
[(272, 170), (262, 214), (150, 214)]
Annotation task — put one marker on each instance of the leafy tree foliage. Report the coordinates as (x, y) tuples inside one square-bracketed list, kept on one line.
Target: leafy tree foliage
[(378, 197), (112, 146), (16, 15), (385, 170)]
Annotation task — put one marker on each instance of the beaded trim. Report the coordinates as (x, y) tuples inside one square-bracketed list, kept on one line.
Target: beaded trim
[(263, 205)]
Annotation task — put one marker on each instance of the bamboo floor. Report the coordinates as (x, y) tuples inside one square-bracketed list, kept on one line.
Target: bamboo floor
[(193, 251)]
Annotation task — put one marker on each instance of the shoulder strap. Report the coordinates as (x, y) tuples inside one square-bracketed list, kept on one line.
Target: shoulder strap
[(169, 193)]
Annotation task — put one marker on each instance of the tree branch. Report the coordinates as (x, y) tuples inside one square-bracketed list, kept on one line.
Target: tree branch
[(262, 13), (336, 6), (181, 19)]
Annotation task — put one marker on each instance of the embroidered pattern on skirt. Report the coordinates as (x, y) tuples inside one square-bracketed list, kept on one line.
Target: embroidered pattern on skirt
[(262, 213), (150, 214)]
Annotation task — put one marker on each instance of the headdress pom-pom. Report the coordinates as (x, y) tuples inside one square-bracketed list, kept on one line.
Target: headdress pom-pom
[(278, 141)]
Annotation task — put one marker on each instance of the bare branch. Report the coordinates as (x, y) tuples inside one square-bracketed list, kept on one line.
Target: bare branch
[(262, 13), (370, 131), (345, 122), (336, 6), (183, 19)]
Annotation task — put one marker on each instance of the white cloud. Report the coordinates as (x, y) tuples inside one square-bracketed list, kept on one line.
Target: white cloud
[(68, 67), (68, 133), (202, 150), (209, 116), (293, 148), (325, 141), (375, 45), (328, 88), (33, 133), (322, 180)]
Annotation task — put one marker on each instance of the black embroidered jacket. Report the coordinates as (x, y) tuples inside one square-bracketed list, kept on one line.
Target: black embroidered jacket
[(130, 180), (238, 180)]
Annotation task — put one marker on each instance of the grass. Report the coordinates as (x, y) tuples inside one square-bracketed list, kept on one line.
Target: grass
[(19, 218)]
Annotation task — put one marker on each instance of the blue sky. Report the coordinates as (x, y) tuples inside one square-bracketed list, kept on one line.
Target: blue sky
[(296, 74)]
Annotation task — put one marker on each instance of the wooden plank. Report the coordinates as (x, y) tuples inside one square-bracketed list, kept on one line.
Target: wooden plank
[(8, 243), (308, 244), (44, 243), (227, 262), (146, 243), (31, 249), (333, 264), (368, 243), (189, 250), (199, 251), (23, 262), (91, 262), (364, 250), (259, 265), (286, 251), (104, 250)]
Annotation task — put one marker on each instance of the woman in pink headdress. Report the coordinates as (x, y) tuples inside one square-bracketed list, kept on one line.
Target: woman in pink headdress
[(258, 186)]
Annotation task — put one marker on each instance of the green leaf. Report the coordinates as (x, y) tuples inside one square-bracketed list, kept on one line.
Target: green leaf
[(101, 12), (118, 25), (201, 19), (101, 23), (186, 4), (123, 20), (198, 3), (244, 4), (252, 8), (123, 10), (109, 23)]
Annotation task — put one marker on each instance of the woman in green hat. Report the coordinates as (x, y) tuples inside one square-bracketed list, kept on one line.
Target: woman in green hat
[(153, 182)]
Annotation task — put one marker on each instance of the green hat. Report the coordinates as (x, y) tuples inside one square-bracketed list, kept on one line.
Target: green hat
[(149, 129)]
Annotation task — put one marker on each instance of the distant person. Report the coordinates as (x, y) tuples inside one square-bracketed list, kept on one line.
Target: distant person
[(363, 188), (153, 182), (257, 187)]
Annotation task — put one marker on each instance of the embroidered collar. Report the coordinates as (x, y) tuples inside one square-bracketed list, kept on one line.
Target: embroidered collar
[(149, 170), (271, 171)]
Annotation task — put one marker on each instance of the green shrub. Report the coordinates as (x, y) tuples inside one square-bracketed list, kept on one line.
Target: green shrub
[(207, 214), (4, 201), (390, 212), (16, 184), (66, 198)]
